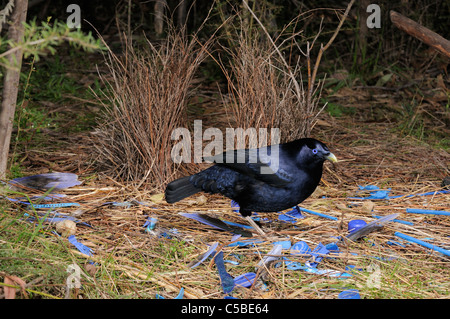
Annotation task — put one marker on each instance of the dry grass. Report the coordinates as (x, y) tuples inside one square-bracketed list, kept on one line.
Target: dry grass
[(149, 89)]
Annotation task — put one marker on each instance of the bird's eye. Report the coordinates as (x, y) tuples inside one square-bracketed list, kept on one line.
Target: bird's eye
[(315, 151)]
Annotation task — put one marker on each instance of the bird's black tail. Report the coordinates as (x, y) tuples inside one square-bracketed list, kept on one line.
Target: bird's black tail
[(179, 189)]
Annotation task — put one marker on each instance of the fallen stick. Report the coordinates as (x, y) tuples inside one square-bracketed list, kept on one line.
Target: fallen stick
[(423, 243), (420, 32)]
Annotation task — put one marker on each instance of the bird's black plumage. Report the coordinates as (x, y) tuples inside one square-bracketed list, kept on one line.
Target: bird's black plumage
[(268, 179)]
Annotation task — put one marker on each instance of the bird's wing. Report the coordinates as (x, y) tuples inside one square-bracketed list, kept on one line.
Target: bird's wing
[(261, 163)]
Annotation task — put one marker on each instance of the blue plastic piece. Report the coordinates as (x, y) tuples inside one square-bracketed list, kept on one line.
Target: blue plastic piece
[(244, 243), (226, 279), (318, 214), (427, 211), (235, 206), (349, 294), (300, 248), (332, 247), (423, 243), (292, 215), (317, 255), (82, 248), (180, 294), (356, 224), (245, 280), (56, 205), (285, 244), (150, 223)]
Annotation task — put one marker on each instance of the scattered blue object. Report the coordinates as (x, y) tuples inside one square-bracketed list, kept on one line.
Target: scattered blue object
[(235, 206), (150, 223), (422, 194), (55, 205), (54, 181), (82, 248), (317, 255), (356, 224), (285, 244), (375, 193), (226, 279), (317, 214), (244, 243), (423, 243), (349, 294), (332, 247), (380, 194), (245, 280), (292, 215), (300, 248), (427, 211), (180, 294)]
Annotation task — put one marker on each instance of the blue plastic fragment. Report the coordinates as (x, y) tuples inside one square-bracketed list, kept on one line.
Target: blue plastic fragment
[(375, 193), (384, 194), (356, 224), (349, 294), (332, 247), (427, 211), (245, 280), (150, 223), (226, 279), (82, 248), (56, 205), (244, 243), (180, 294), (300, 248), (292, 215), (423, 243), (285, 244), (235, 206), (210, 251), (317, 213), (317, 255)]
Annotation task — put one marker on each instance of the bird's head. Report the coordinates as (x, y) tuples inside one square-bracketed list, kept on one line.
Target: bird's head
[(314, 152)]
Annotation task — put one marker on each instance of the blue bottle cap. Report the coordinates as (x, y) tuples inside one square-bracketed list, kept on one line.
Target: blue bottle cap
[(356, 224), (349, 294), (300, 248)]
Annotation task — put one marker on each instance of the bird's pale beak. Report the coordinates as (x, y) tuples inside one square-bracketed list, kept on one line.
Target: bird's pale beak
[(331, 158)]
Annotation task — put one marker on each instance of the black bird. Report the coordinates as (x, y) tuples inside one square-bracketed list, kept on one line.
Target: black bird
[(267, 179)]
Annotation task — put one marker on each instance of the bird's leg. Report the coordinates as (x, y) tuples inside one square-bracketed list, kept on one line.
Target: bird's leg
[(255, 226)]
